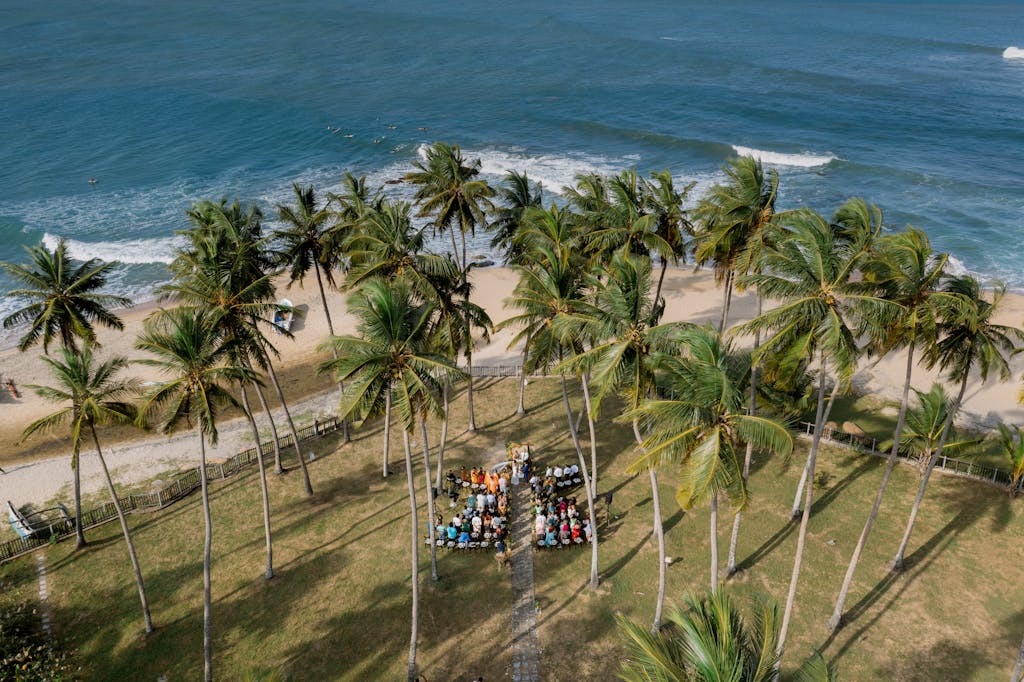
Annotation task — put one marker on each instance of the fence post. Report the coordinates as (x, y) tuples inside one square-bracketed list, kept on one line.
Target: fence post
[(873, 443)]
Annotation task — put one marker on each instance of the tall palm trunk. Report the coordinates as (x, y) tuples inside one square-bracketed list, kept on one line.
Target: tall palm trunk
[(269, 573), (521, 408), (659, 532), (469, 377), (291, 425), (594, 580), (415, 559), (444, 436), (726, 300), (1018, 668), (714, 542), (897, 563), (207, 546), (76, 466), (469, 336), (330, 330), (430, 500), (661, 279), (730, 568), (819, 422), (387, 429), (124, 529), (837, 614), (274, 438), (585, 383), (795, 513)]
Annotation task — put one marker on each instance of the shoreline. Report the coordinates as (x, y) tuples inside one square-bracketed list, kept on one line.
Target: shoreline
[(39, 469)]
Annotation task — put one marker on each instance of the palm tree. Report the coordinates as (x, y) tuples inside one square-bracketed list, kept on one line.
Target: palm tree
[(64, 303), (711, 641), (970, 340), (189, 346), (701, 423), (622, 223), (227, 268), (448, 189), (924, 426), (1011, 446), (732, 216), (673, 225), (455, 315), (516, 197), (97, 396), (303, 244), (388, 246), (739, 224), (63, 298), (625, 322), (911, 274), (389, 362), (823, 310), (550, 298)]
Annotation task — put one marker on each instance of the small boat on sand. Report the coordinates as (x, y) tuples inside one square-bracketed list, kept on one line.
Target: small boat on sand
[(36, 523), (283, 316)]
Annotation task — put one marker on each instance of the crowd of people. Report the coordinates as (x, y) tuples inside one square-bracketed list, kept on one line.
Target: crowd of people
[(481, 521), (479, 500), (557, 521)]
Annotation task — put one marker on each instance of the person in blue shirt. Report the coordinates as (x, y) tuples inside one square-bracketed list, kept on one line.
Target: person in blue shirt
[(453, 532), (463, 537), (550, 538)]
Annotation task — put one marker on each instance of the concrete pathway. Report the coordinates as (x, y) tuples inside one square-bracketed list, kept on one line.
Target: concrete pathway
[(44, 592), (525, 665)]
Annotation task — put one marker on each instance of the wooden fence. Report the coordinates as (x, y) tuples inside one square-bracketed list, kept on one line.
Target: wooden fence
[(957, 467), (180, 487)]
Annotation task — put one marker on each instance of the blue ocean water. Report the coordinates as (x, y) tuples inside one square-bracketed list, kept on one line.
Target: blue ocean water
[(911, 105)]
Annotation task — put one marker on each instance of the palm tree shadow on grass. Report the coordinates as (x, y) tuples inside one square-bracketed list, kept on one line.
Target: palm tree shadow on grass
[(822, 503), (645, 537), (915, 564)]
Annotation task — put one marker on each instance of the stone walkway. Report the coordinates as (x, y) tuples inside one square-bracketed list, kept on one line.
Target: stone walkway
[(44, 592), (525, 667)]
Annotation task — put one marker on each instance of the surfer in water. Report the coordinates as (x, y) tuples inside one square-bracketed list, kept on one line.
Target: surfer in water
[(92, 181)]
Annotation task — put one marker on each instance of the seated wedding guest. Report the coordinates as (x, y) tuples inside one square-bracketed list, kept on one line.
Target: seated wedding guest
[(557, 473), (477, 524), (503, 483), (497, 522), (466, 527), (465, 475), (500, 546), (540, 524), (471, 500), (549, 538), (492, 500), (452, 531), (563, 534), (548, 473), (574, 530), (463, 537), (587, 531)]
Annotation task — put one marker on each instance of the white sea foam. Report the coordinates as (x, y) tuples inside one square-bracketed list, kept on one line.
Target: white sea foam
[(1013, 53), (553, 171), (780, 159), (955, 266), (157, 250)]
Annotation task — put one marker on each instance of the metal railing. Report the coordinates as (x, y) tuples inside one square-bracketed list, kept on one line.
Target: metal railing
[(957, 467), (180, 487)]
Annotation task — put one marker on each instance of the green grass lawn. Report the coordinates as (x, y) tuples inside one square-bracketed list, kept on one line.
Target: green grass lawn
[(338, 608)]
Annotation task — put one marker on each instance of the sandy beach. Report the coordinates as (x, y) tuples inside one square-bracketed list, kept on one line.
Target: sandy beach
[(39, 470)]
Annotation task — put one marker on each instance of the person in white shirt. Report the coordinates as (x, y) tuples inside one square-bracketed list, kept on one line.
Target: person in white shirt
[(558, 472), (477, 524), (491, 500), (547, 474)]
